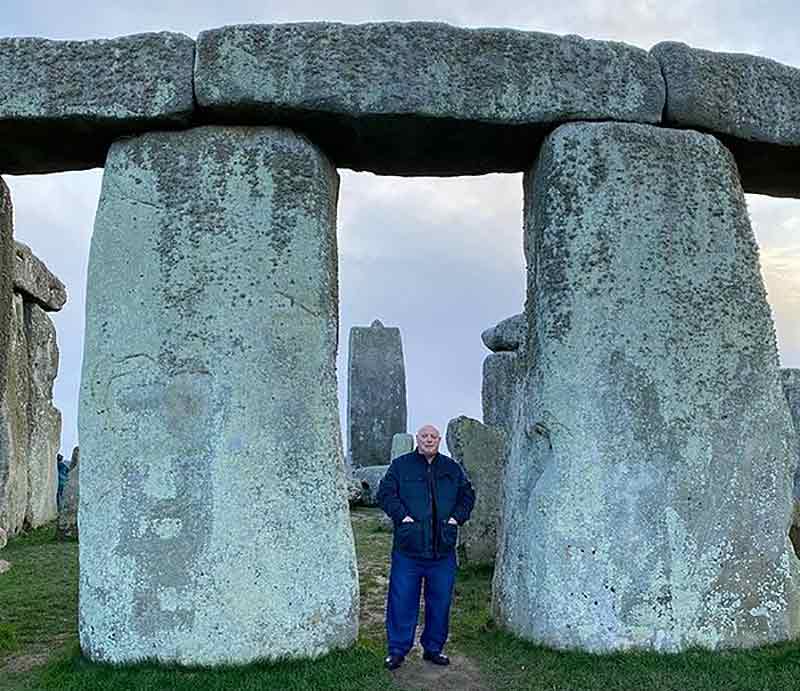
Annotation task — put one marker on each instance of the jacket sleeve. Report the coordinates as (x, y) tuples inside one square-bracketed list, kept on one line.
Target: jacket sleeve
[(389, 495), (465, 499)]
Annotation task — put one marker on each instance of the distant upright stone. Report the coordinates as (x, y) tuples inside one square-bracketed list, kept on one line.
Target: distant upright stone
[(648, 488), (7, 330), (402, 443), (370, 479), (508, 334), (68, 515), (214, 526), (3, 538), (481, 451), (791, 387), (14, 485), (36, 281), (62, 103), (44, 419), (402, 98), (376, 393), (501, 375)]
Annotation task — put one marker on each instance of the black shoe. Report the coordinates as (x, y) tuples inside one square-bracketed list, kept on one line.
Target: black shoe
[(392, 662), (436, 658)]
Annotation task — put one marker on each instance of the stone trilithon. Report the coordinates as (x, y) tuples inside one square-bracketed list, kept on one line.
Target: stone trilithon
[(648, 493), (213, 517)]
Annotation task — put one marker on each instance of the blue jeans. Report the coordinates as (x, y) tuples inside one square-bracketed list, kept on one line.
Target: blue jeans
[(402, 604)]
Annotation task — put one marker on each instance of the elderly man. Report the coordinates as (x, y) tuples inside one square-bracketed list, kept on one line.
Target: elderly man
[(427, 496)]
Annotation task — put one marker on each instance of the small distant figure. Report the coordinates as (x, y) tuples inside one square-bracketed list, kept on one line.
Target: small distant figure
[(63, 475)]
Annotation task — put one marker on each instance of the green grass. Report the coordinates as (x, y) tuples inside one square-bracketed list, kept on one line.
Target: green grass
[(38, 612)]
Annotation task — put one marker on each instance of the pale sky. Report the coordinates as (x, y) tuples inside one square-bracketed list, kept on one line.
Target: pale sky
[(440, 258)]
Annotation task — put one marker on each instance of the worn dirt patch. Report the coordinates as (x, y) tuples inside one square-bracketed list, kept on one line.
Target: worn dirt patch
[(38, 657), (462, 675)]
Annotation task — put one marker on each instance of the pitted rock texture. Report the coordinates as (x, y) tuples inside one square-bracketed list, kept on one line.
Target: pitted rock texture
[(500, 381), (36, 281), (370, 479), (751, 103), (640, 511), (791, 388), (14, 401), (67, 528), (507, 335), (421, 98), (62, 103), (481, 451), (402, 443), (213, 511), (44, 419), (376, 393)]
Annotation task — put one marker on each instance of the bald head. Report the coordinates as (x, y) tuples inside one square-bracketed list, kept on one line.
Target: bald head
[(428, 439)]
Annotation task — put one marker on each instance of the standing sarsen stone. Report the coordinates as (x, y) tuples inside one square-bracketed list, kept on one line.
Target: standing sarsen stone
[(376, 393), (213, 516), (648, 492)]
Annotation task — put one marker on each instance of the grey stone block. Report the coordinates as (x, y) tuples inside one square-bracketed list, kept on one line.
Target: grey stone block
[(6, 356), (14, 487), (421, 98), (481, 451), (791, 388), (213, 509), (36, 281), (376, 393), (648, 487), (62, 103), (500, 382), (3, 538), (67, 528), (402, 443), (370, 479), (751, 103), (508, 334), (44, 419)]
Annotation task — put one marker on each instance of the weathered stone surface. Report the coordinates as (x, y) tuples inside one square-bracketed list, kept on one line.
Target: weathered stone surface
[(481, 451), (354, 491), (62, 103), (5, 566), (402, 443), (68, 515), (751, 103), (3, 538), (403, 99), (14, 416), (7, 472), (36, 281), (791, 388), (370, 478), (639, 510), (213, 510), (376, 393), (500, 381), (508, 334), (44, 419)]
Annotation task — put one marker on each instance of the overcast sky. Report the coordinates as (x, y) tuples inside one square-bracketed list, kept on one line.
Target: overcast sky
[(440, 258)]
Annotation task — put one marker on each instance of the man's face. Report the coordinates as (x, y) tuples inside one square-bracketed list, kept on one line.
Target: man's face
[(428, 439)]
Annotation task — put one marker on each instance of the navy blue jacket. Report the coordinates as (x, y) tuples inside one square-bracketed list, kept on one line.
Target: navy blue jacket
[(413, 487)]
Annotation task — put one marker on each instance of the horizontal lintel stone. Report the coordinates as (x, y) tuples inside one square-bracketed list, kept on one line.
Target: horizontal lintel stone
[(36, 281), (750, 103), (421, 98), (62, 103)]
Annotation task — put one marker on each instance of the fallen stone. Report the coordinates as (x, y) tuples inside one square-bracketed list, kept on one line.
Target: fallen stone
[(44, 419), (639, 511), (62, 103), (509, 334), (36, 281), (751, 103), (5, 566), (14, 401), (402, 98), (376, 393), (500, 381), (481, 451), (214, 524), (402, 443), (370, 478), (67, 528), (791, 388)]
